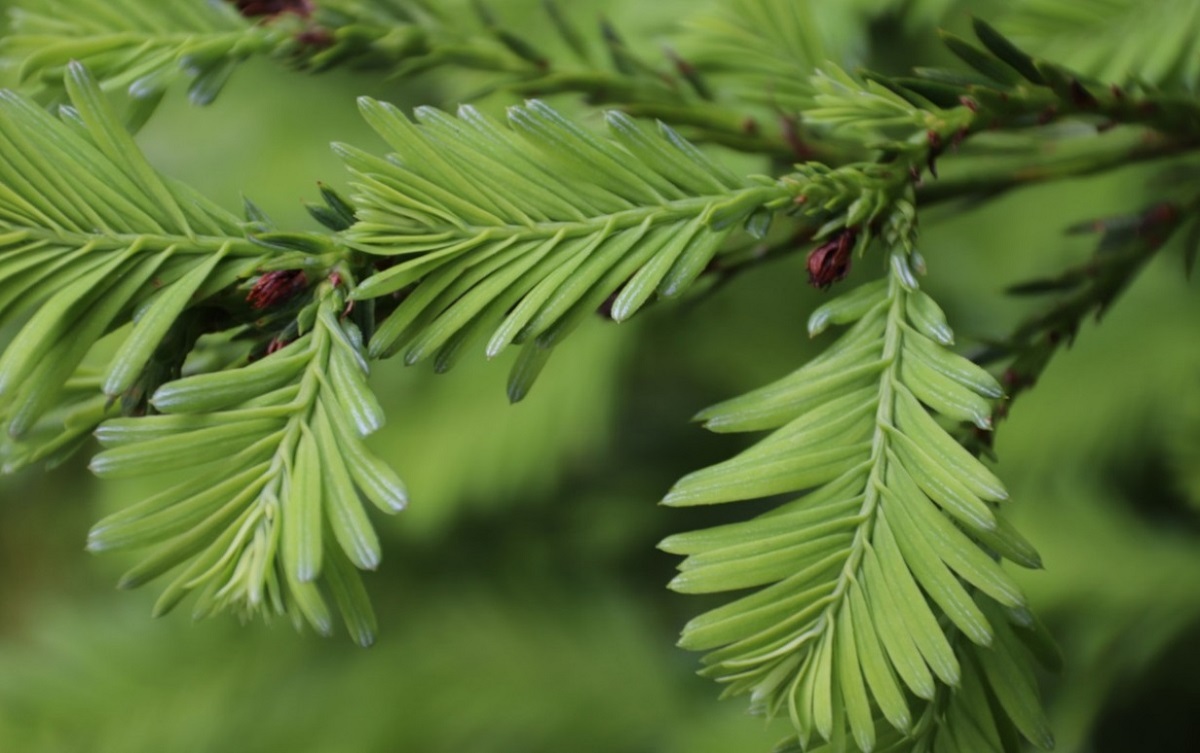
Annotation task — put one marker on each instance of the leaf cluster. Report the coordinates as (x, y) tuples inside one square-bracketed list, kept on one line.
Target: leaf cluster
[(523, 232), (1124, 41), (870, 579), (285, 433), (140, 48), (770, 47)]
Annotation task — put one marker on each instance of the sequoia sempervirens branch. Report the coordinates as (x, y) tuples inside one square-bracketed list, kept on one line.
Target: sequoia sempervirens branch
[(1127, 244)]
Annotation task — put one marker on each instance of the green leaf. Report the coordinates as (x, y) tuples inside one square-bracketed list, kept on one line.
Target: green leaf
[(876, 667), (203, 393), (933, 575), (152, 327), (1005, 50), (850, 679), (992, 67), (302, 547), (343, 507), (893, 631), (352, 600), (1008, 670)]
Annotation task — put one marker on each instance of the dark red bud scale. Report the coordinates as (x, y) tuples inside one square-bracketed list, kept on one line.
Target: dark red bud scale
[(318, 38), (830, 262), (1159, 214), (259, 8), (935, 149), (1081, 97), (959, 136), (605, 310), (790, 129), (275, 288)]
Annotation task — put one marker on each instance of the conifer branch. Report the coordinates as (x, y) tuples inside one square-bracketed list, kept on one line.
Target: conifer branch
[(103, 241), (1053, 161), (525, 231), (879, 613), (892, 502), (1127, 243), (143, 50)]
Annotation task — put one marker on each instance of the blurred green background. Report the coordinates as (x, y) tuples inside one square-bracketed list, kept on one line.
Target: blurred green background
[(522, 603)]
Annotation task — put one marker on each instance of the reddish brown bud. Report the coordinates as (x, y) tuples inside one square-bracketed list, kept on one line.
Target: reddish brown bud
[(935, 149), (682, 67), (830, 262), (1081, 97), (275, 288), (258, 8), (1013, 381), (969, 103), (318, 38), (1159, 214), (791, 135), (1047, 115), (606, 308)]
